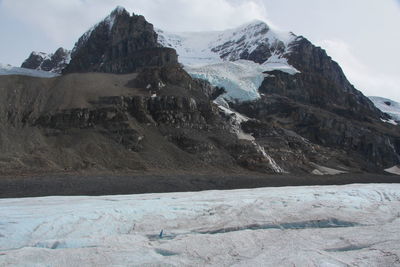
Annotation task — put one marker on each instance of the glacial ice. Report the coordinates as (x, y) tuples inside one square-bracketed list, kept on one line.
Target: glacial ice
[(352, 225)]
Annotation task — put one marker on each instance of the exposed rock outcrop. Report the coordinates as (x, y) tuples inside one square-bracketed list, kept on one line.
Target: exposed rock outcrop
[(321, 82), (55, 62)]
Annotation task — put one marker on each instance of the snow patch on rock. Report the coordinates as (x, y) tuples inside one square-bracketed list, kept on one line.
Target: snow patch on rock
[(275, 167), (278, 62), (393, 170), (235, 119), (322, 170)]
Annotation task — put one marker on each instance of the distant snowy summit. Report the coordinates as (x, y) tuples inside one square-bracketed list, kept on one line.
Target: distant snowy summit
[(54, 62), (254, 41)]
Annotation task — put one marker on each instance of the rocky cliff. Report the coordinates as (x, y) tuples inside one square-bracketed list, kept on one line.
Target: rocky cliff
[(121, 43)]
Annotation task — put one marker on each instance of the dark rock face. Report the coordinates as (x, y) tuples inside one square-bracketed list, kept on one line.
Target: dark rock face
[(113, 122), (175, 126), (120, 44), (371, 142), (48, 62), (321, 82)]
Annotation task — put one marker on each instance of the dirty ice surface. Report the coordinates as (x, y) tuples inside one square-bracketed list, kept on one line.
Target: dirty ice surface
[(352, 225)]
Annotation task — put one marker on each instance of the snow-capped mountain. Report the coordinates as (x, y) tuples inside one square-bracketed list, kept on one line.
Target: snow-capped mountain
[(254, 41), (54, 62), (235, 59), (388, 106), (10, 70)]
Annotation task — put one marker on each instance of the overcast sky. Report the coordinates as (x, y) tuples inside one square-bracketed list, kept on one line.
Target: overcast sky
[(362, 35)]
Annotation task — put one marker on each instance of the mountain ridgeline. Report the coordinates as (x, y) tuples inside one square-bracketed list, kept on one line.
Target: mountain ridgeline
[(55, 62), (127, 100)]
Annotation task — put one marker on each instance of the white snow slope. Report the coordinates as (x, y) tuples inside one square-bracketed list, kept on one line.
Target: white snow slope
[(203, 48), (10, 70), (388, 106), (215, 56), (353, 225)]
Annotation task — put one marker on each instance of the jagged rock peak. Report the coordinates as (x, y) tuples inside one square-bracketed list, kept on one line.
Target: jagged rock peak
[(54, 62), (120, 43), (118, 11), (107, 22)]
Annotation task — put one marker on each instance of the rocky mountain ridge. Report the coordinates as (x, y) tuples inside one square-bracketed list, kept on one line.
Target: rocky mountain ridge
[(259, 43), (305, 116)]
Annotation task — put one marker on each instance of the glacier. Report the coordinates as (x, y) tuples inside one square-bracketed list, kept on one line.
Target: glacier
[(351, 225), (241, 79)]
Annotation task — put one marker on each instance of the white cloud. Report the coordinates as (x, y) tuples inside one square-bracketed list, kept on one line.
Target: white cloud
[(65, 21)]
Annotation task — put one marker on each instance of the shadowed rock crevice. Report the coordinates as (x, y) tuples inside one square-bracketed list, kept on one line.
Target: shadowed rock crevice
[(328, 223)]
